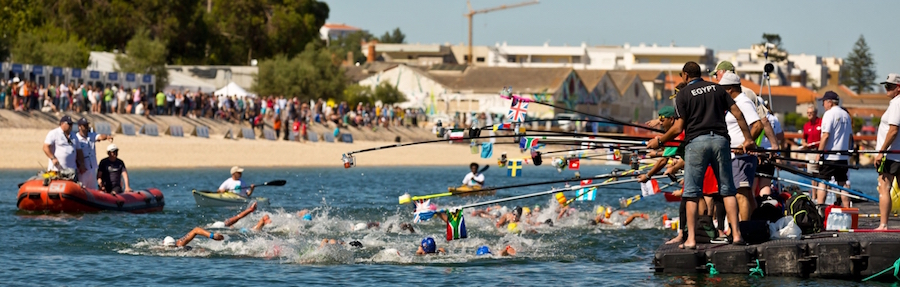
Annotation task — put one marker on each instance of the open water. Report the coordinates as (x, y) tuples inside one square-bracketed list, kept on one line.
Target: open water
[(122, 249)]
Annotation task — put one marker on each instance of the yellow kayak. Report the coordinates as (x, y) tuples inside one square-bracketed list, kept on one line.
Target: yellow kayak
[(466, 190), (213, 199)]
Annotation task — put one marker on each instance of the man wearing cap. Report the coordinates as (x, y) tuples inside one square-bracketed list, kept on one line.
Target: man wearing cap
[(888, 165), (837, 131), (234, 185), (112, 172), (666, 119), (743, 165), (86, 140), (61, 150), (700, 107), (761, 110)]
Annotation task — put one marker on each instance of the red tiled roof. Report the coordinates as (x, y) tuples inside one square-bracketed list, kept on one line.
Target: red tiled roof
[(340, 27)]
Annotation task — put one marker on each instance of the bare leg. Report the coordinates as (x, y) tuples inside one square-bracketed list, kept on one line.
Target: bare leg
[(845, 200), (746, 203), (731, 211), (885, 182), (765, 186), (196, 231), (821, 194), (691, 207), (236, 218)]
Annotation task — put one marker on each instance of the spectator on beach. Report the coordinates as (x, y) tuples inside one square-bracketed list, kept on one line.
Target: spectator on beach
[(160, 103)]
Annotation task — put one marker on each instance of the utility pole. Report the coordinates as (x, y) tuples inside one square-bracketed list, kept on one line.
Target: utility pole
[(482, 11)]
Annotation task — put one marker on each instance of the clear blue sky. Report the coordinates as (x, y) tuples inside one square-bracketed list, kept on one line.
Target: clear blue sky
[(821, 27)]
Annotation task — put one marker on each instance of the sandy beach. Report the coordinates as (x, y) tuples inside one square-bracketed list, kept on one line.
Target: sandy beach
[(22, 150)]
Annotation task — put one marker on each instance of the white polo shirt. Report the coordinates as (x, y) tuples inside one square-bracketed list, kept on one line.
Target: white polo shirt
[(748, 109), (472, 179), (836, 122), (62, 148), (891, 117)]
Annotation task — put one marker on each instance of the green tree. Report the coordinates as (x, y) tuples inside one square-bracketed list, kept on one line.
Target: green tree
[(145, 55), (355, 94), (388, 94), (858, 71), (777, 53), (857, 124), (395, 37), (52, 46), (350, 43), (312, 74)]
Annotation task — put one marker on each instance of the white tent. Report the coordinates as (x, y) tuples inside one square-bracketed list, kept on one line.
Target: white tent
[(233, 89), (182, 81)]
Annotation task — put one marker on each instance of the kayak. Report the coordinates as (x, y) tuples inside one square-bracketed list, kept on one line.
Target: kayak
[(58, 195), (214, 199), (466, 190)]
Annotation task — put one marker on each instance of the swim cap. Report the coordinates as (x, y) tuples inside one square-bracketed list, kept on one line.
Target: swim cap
[(307, 217), (169, 241), (512, 227), (526, 210), (561, 198), (483, 250), (601, 210), (428, 245), (359, 226), (608, 211)]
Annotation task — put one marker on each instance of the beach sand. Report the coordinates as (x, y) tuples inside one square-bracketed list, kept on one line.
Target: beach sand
[(22, 149)]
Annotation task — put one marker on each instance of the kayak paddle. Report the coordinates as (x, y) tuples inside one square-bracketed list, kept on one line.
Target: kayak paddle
[(279, 182)]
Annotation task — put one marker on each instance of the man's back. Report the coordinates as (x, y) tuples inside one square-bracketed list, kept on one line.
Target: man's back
[(702, 106)]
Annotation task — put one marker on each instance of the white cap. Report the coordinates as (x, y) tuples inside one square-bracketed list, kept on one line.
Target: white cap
[(236, 169), (892, 79), (730, 79), (112, 148), (169, 241), (359, 226)]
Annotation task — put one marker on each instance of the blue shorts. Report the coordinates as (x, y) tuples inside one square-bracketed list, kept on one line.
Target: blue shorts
[(707, 150), (744, 169)]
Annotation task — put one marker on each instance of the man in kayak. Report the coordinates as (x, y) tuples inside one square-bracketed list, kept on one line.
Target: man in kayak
[(234, 184), (61, 150), (87, 140), (112, 172), (473, 178)]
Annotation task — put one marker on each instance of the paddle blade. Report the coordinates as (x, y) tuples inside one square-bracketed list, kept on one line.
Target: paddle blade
[(405, 199), (279, 182)]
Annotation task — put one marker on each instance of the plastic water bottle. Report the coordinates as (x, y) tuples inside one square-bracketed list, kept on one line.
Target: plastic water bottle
[(829, 198), (842, 221), (829, 225)]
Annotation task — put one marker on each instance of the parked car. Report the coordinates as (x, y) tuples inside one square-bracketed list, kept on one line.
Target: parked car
[(565, 122)]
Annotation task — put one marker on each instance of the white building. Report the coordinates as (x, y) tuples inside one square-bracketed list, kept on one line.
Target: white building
[(626, 57), (331, 31)]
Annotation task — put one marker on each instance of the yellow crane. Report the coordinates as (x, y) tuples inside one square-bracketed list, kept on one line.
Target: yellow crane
[(482, 11)]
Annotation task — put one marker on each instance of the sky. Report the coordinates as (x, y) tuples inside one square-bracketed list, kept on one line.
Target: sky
[(822, 27)]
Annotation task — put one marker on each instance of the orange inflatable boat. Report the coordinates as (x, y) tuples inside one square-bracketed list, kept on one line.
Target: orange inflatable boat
[(58, 195)]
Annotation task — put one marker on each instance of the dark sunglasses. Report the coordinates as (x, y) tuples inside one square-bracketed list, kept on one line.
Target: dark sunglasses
[(890, 87)]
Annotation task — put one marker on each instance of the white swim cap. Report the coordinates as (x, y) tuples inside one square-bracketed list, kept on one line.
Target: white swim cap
[(169, 241), (359, 226)]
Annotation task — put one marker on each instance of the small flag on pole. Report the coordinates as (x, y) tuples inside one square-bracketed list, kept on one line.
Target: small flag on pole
[(588, 194), (456, 225), (517, 111), (650, 187), (574, 163), (528, 143), (514, 168)]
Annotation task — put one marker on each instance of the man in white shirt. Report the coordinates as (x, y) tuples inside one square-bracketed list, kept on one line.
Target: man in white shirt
[(121, 96), (837, 131), (888, 165), (87, 142), (61, 150), (473, 178), (234, 184), (766, 167), (744, 165)]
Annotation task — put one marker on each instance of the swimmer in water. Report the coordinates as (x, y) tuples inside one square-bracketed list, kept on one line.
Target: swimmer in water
[(327, 241), (604, 213), (491, 212), (485, 250), (428, 246), (183, 241)]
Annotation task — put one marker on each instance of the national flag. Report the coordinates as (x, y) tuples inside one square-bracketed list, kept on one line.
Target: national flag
[(456, 225), (586, 182), (517, 111), (514, 168), (457, 135), (424, 210), (650, 187), (586, 194), (574, 163), (528, 143), (487, 150)]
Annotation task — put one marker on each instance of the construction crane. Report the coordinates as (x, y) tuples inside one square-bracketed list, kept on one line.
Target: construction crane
[(482, 11)]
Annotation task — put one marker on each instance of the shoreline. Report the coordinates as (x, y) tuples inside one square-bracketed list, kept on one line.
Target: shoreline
[(23, 151)]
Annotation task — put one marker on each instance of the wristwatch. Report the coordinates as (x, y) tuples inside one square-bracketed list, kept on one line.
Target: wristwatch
[(658, 141)]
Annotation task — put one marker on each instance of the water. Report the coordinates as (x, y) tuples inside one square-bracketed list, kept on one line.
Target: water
[(125, 249)]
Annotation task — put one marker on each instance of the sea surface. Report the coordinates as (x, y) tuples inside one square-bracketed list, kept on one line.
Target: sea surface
[(122, 249)]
